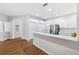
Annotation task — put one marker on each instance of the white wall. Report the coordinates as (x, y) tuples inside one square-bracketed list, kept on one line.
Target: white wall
[(68, 24)]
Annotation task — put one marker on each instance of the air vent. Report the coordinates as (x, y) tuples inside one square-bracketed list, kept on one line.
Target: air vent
[(45, 4)]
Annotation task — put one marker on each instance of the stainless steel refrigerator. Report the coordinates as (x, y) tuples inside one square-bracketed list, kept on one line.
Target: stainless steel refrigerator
[(54, 29)]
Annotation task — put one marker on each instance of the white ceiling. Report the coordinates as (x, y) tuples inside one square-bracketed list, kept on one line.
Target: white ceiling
[(36, 9)]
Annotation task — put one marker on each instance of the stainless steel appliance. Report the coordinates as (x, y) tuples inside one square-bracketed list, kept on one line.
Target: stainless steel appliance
[(54, 29)]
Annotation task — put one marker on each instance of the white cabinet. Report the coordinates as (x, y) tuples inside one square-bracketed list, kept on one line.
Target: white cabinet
[(41, 27), (1, 30), (69, 21), (52, 47), (36, 26)]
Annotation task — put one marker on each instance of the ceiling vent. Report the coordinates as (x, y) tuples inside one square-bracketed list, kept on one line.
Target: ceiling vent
[(45, 4)]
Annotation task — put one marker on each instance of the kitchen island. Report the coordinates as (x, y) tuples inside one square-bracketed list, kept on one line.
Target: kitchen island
[(56, 44)]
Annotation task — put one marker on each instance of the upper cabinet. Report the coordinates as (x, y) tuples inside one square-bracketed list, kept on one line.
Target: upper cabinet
[(69, 21)]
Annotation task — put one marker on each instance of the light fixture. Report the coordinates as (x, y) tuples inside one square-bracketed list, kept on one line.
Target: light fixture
[(56, 14), (45, 17), (37, 14), (49, 9)]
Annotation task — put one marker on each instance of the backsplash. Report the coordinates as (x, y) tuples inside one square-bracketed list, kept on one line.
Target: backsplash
[(67, 31)]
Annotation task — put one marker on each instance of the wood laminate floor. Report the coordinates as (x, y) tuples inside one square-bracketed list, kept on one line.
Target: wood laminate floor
[(19, 47)]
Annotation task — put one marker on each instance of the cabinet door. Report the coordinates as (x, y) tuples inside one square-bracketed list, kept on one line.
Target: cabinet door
[(33, 27), (53, 48), (1, 30), (41, 27), (7, 30)]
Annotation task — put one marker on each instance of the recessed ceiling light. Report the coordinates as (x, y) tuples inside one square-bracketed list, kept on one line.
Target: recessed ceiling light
[(37, 14), (56, 14), (49, 9), (45, 17)]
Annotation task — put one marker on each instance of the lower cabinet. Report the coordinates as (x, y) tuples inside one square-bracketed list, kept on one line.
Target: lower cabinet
[(53, 48)]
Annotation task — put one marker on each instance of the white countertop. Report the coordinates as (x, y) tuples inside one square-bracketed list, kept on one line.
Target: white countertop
[(58, 36)]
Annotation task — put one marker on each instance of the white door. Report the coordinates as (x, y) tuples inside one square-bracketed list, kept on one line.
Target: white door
[(7, 30), (16, 28)]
